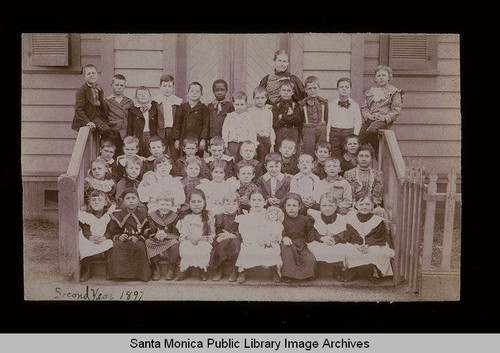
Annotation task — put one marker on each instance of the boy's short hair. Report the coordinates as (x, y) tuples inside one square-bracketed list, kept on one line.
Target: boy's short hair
[(165, 196), (196, 84), (193, 160), (131, 139), (287, 82), (240, 167), (259, 89), (217, 141), (118, 77), (311, 79), (367, 147), (332, 159), (248, 143), (107, 143), (142, 88), (88, 66), (133, 161), (219, 81), (288, 140), (231, 196), (273, 157), (306, 155), (323, 144), (344, 79), (161, 159), (239, 95), (129, 190), (156, 138), (167, 78), (351, 136), (190, 139)]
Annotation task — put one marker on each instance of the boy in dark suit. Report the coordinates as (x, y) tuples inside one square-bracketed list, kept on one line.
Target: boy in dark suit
[(143, 119), (274, 184), (90, 106)]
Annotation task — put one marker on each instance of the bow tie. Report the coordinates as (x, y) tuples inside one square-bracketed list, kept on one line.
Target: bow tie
[(345, 104), (144, 108)]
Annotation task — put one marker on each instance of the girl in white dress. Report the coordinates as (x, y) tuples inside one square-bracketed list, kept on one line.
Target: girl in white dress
[(92, 233), (329, 227), (197, 231), (367, 238), (260, 231)]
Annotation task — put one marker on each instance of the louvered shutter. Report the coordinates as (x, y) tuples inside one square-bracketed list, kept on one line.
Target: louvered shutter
[(412, 52), (50, 49)]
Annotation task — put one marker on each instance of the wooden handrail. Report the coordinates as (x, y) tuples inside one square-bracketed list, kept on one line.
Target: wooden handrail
[(394, 153), (78, 151)]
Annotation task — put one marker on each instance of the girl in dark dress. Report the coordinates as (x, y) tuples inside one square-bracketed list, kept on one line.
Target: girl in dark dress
[(348, 159), (298, 261), (128, 259), (227, 241)]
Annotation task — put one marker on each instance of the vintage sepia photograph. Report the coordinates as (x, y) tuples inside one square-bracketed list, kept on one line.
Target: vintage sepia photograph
[(256, 167)]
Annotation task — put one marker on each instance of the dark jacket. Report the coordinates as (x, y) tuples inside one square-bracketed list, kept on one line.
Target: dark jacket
[(191, 121), (136, 121), (86, 110)]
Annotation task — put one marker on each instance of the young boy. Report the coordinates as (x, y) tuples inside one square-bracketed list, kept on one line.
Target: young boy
[(190, 147), (192, 119), (238, 126), (335, 184), (90, 107), (305, 182), (218, 108), (245, 175), (130, 179), (262, 117), (143, 119), (130, 150), (157, 149), (118, 107), (344, 117), (247, 153), (163, 237), (322, 153), (107, 151), (168, 103), (315, 110), (274, 184), (289, 160), (216, 149), (287, 115)]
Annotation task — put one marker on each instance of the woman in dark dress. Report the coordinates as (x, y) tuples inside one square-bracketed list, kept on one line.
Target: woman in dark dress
[(298, 229)]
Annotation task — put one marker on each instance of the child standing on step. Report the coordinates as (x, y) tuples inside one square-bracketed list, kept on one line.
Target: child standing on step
[(163, 236), (197, 231), (93, 239), (227, 241), (260, 230)]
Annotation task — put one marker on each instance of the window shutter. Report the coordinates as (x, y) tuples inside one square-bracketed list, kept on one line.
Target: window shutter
[(412, 52), (50, 49)]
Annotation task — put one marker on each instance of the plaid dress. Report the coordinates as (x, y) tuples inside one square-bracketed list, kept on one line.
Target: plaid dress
[(157, 222)]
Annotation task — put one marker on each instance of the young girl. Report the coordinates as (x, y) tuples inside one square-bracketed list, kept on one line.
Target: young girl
[(100, 179), (197, 231), (298, 260), (329, 226), (227, 239), (381, 107), (92, 235), (147, 190), (348, 159), (216, 189), (129, 258), (163, 236), (260, 231), (192, 178), (366, 236)]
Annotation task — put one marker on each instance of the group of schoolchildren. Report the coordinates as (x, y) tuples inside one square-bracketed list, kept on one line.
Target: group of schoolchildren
[(282, 184)]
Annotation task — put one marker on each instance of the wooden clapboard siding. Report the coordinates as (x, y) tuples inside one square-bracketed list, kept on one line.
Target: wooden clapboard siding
[(259, 56), (204, 61), (328, 57), (429, 127), (47, 109)]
